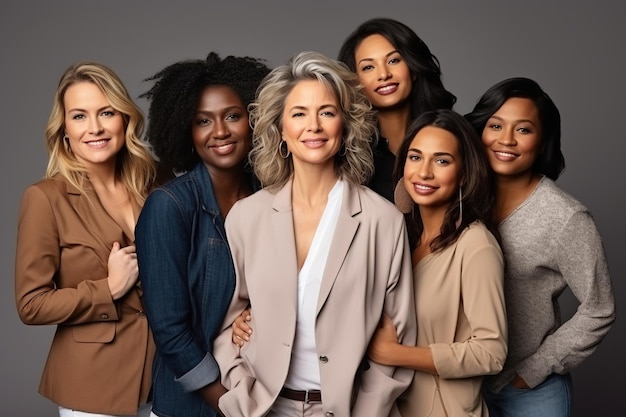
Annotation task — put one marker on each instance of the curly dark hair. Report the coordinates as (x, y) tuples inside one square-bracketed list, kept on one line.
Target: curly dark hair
[(476, 176), (174, 99), (428, 92)]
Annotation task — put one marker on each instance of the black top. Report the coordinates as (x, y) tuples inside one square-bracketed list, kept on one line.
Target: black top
[(382, 180)]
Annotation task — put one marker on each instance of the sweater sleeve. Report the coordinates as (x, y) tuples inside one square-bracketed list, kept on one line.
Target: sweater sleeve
[(581, 261)]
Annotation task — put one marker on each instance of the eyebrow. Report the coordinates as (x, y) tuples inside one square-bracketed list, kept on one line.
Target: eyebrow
[(322, 107), (386, 56), (435, 154), (223, 110), (77, 109), (515, 121)]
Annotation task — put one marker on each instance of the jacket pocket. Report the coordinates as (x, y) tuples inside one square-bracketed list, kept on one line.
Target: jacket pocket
[(102, 332)]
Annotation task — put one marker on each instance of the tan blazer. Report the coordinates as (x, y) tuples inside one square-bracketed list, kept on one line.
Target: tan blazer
[(101, 355), (461, 316), (368, 272)]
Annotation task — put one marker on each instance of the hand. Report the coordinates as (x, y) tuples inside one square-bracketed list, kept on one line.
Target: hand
[(384, 339), (519, 383), (123, 270), (212, 393), (241, 328)]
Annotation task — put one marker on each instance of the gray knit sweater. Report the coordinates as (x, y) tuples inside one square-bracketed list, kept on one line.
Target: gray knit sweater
[(550, 242)]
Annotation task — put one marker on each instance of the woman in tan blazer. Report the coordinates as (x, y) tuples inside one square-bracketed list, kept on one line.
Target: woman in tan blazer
[(317, 256), (75, 264), (444, 190)]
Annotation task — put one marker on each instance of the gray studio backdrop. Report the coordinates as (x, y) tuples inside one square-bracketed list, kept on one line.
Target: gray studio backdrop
[(575, 52)]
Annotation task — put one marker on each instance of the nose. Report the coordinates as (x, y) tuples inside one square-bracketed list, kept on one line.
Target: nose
[(314, 124), (425, 171), (95, 126), (220, 131), (507, 137), (384, 73)]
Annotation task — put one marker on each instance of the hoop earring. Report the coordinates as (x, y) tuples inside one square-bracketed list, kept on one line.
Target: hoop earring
[(66, 142), (460, 219), (280, 149)]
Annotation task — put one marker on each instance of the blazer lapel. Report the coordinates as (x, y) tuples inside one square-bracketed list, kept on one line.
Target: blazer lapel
[(347, 226), (286, 272), (102, 228), (103, 231)]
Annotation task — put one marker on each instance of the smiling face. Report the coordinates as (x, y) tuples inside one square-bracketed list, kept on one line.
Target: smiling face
[(383, 72), (512, 138), (312, 124), (431, 171), (220, 130), (95, 129)]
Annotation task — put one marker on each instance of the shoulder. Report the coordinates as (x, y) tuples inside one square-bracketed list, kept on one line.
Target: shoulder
[(49, 188), (177, 198), (548, 208), (476, 236), (553, 199), (264, 197), (176, 188), (372, 201), (250, 209), (51, 185), (47, 199)]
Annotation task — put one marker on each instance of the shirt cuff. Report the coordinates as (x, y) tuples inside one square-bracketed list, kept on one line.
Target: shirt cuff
[(204, 373)]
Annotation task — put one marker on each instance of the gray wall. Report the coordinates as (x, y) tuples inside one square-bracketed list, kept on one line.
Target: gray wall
[(575, 52)]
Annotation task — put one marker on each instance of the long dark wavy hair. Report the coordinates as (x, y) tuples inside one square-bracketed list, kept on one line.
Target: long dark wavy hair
[(476, 180), (428, 92)]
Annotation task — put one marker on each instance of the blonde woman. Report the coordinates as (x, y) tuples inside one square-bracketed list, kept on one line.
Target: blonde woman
[(76, 265)]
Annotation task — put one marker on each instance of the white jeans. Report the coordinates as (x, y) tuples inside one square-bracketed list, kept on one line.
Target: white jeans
[(143, 411)]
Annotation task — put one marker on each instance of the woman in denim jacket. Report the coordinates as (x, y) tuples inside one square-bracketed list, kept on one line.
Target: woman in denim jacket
[(198, 124)]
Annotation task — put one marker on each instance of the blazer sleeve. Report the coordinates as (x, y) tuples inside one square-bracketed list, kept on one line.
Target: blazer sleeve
[(39, 298), (380, 385), (236, 377), (482, 292)]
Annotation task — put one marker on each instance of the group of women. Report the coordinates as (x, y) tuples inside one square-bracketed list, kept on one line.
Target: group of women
[(325, 238)]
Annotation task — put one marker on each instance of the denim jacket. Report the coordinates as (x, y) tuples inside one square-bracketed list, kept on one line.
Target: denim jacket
[(188, 279)]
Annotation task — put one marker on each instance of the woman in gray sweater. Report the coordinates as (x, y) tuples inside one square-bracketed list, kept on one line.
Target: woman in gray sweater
[(550, 242)]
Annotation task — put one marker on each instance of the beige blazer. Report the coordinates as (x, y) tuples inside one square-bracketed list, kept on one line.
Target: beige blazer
[(368, 272), (101, 355), (461, 317)]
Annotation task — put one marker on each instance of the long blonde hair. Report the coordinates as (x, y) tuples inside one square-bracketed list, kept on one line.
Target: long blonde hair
[(135, 164)]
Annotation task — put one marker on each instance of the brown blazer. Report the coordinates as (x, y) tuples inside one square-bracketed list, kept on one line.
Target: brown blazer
[(101, 355), (368, 272)]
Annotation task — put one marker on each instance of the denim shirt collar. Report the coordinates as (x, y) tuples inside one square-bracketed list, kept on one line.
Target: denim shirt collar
[(200, 176)]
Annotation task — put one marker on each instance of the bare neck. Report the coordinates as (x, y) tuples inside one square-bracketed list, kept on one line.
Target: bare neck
[(511, 191), (311, 185), (229, 187)]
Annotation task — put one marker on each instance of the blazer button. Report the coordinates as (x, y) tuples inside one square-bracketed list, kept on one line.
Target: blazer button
[(324, 359), (104, 316), (329, 414)]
